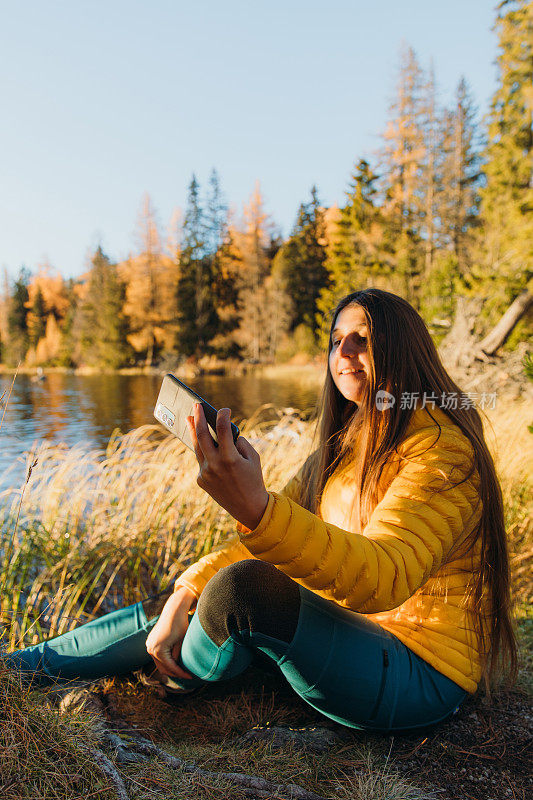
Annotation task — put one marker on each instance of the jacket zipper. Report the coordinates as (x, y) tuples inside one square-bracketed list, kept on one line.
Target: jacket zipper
[(381, 685)]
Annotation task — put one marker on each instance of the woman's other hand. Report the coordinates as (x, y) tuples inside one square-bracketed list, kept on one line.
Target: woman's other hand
[(165, 639), (230, 473)]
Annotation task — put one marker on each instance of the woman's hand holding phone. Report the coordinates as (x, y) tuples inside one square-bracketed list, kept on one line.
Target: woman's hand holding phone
[(230, 473)]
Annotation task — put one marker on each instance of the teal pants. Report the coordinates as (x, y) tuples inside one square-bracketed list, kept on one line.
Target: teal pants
[(340, 662)]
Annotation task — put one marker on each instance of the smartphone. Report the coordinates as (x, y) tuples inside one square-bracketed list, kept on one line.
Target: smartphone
[(176, 402)]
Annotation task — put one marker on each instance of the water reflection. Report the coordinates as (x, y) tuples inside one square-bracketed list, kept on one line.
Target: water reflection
[(86, 409)]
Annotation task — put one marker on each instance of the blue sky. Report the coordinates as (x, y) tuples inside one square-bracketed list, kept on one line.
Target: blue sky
[(104, 100)]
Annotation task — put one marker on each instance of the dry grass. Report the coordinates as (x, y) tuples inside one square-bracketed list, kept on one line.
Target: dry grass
[(511, 444), (99, 530), (45, 756), (208, 729), (376, 778)]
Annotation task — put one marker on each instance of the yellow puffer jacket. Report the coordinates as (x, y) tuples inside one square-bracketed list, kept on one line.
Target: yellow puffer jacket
[(398, 570)]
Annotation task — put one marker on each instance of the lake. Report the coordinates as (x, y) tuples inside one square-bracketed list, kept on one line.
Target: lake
[(85, 409)]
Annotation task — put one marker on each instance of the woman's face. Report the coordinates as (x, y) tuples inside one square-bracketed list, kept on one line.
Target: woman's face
[(349, 362)]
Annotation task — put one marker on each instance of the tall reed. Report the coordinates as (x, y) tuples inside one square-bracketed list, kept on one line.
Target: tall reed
[(96, 530), (100, 529)]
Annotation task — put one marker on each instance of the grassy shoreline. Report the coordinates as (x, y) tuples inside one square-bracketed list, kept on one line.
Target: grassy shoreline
[(86, 542), (203, 367), (98, 542)]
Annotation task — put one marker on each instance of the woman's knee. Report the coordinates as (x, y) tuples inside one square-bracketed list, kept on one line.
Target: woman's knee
[(241, 582), (249, 595)]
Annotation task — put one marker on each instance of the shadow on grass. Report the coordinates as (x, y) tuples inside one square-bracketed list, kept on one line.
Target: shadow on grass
[(480, 752)]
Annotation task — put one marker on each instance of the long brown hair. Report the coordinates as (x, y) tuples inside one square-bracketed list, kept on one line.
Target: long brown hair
[(403, 358)]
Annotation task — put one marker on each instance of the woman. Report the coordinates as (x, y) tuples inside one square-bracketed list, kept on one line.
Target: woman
[(377, 580)]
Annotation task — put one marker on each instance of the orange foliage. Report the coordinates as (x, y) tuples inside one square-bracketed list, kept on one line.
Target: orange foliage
[(48, 346), (52, 289)]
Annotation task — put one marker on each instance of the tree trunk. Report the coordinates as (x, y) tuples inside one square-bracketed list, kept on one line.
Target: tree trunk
[(458, 346), (498, 335)]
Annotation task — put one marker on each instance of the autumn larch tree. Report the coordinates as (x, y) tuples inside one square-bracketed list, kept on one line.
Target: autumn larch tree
[(150, 277), (260, 300), (403, 188)]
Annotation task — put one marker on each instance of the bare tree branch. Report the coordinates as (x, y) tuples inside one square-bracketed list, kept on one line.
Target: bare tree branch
[(498, 335)]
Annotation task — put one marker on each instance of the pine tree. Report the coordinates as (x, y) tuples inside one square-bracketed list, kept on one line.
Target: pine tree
[(460, 177), (457, 178), (226, 261), (216, 215), (17, 323), (227, 269), (195, 302), (506, 236), (102, 325), (357, 256), (37, 318), (301, 263)]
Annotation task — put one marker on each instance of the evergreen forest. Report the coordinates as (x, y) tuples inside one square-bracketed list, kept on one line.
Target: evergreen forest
[(444, 210)]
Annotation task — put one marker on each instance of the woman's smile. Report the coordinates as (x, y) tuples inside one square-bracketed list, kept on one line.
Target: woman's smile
[(349, 360)]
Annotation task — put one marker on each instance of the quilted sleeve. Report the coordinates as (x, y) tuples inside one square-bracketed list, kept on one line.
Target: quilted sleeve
[(198, 574), (408, 535)]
